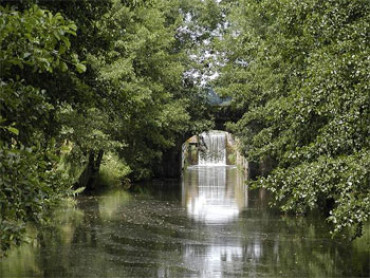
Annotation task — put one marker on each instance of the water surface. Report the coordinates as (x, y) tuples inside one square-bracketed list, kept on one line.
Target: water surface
[(207, 225)]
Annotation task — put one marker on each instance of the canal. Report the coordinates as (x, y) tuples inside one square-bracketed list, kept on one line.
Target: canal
[(207, 225)]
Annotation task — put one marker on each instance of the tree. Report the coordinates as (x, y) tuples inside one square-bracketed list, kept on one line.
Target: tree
[(298, 70), (34, 41)]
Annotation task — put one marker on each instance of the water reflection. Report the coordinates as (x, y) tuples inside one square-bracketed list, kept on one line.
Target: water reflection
[(156, 234), (213, 194), (214, 198)]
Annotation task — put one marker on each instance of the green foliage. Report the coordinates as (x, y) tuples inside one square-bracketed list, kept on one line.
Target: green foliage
[(29, 183), (141, 76), (310, 185), (34, 38), (298, 71), (82, 78), (113, 172), (35, 42)]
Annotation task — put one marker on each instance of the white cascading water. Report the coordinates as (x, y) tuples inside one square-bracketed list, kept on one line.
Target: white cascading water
[(213, 148)]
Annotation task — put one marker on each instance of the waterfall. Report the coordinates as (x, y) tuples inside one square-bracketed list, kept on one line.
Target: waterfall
[(212, 148)]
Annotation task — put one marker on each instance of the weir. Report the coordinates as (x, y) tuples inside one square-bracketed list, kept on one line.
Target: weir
[(212, 148)]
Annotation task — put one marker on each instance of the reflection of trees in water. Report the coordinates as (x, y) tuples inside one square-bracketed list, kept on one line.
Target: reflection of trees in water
[(85, 251), (70, 228), (272, 247), (85, 232), (295, 247), (108, 236), (51, 255), (264, 243)]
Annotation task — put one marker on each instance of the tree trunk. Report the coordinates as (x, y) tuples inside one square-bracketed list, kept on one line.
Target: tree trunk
[(89, 176)]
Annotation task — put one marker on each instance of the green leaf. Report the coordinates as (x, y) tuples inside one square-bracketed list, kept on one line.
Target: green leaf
[(63, 67), (13, 130), (65, 149), (66, 42), (27, 54), (80, 68), (79, 190)]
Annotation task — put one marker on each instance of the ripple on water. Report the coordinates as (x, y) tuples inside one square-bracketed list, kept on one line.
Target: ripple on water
[(155, 234)]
